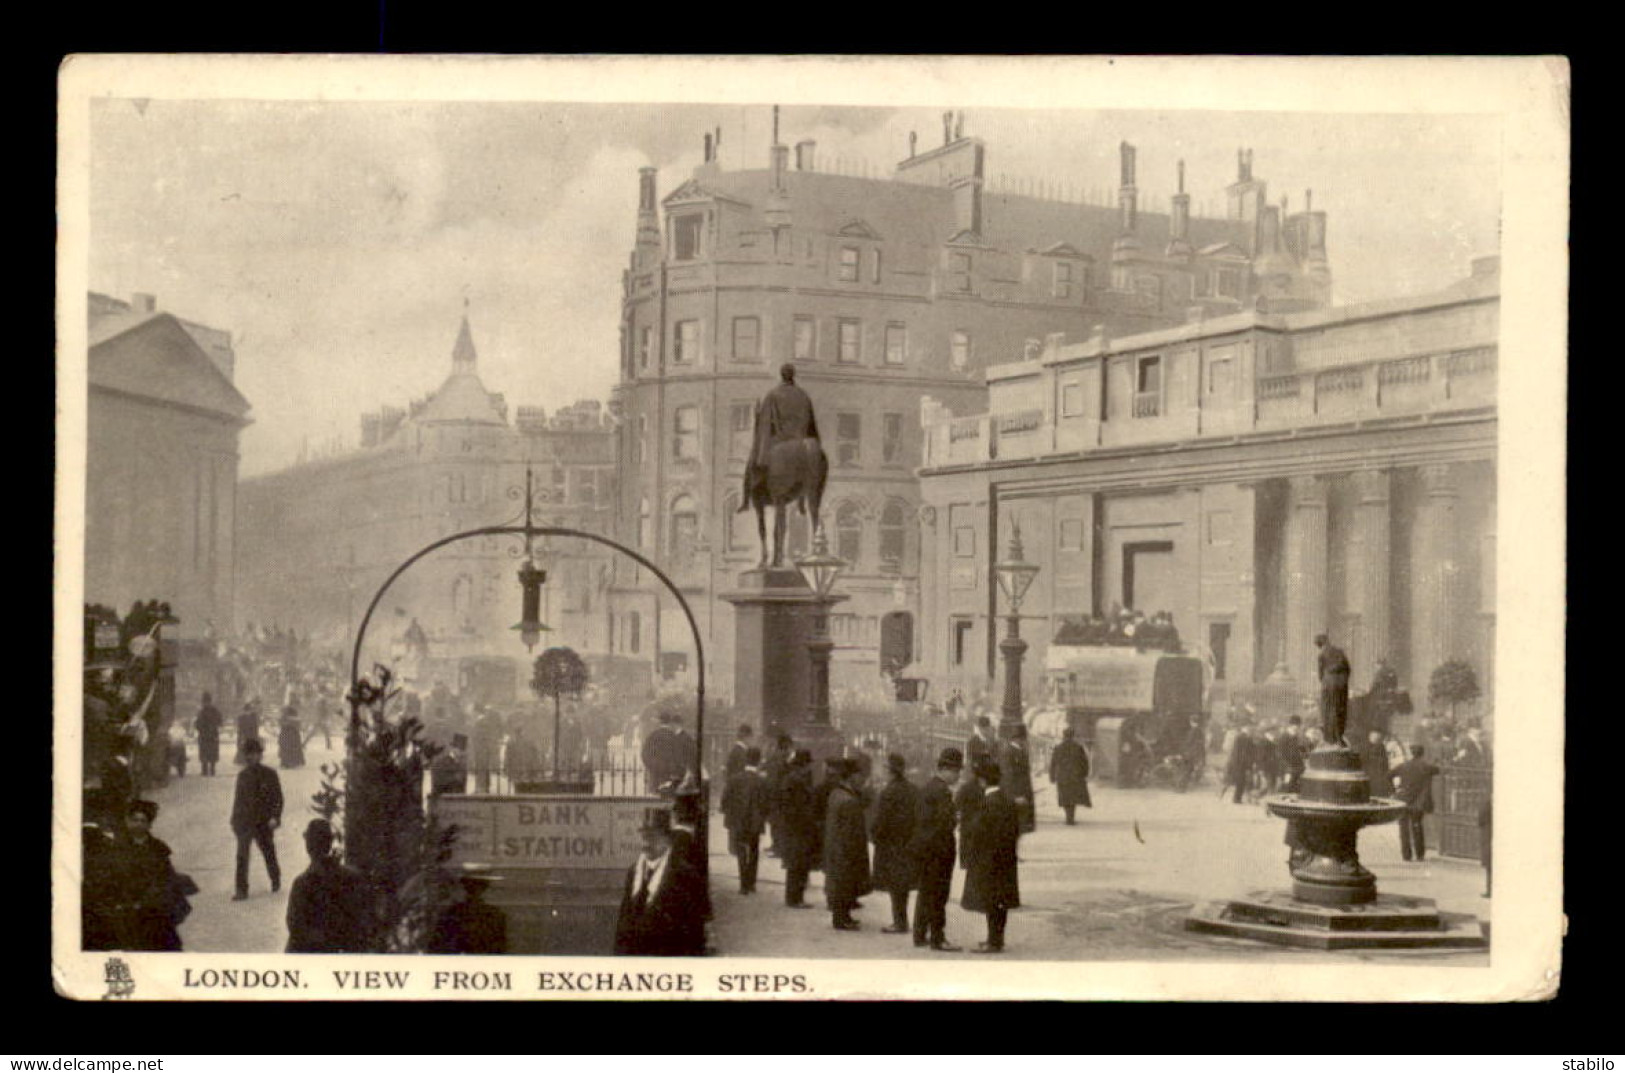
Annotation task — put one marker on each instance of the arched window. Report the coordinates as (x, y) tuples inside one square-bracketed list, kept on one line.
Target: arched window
[(646, 535), (893, 536), (848, 533), (685, 528)]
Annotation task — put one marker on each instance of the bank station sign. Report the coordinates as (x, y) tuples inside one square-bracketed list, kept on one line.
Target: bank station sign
[(545, 832)]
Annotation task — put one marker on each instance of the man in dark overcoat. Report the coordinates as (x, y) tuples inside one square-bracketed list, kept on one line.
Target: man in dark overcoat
[(1238, 771), (1333, 665), (248, 727), (894, 869), (932, 848), (657, 753), (207, 725), (846, 846), (774, 768), (330, 906), (1069, 771), (1374, 759), (834, 772), (982, 746), (1413, 784), (256, 813), (1016, 776), (736, 753), (798, 827), (744, 811), (661, 911), (991, 885)]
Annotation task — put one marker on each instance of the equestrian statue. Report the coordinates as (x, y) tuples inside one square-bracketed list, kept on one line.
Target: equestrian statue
[(787, 462)]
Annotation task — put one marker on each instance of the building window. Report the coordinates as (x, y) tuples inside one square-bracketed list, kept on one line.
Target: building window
[(803, 339), (1228, 282), (891, 438), (1072, 399), (959, 272), (686, 432), (740, 529), (960, 350), (634, 631), (959, 641), (1063, 279), (1221, 378), (586, 491), (848, 439), (847, 272), (851, 342), (685, 528), (874, 266), (848, 533), (640, 446), (896, 344), (740, 419), (687, 339), (645, 526), (645, 346), (893, 537), (1148, 387), (964, 530), (747, 338), (685, 237)]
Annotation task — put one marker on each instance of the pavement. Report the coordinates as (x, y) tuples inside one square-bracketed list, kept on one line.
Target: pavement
[(1115, 886)]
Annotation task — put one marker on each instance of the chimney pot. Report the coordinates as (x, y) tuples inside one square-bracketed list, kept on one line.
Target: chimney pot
[(708, 147)]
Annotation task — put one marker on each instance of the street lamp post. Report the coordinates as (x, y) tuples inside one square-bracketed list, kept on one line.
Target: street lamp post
[(820, 570), (1015, 576)]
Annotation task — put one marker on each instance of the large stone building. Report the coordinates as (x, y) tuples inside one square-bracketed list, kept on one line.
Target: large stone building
[(883, 291), (161, 463), (319, 538), (1263, 477)]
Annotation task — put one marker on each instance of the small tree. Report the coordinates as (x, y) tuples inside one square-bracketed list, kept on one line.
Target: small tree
[(1453, 682), (385, 833), (559, 673)]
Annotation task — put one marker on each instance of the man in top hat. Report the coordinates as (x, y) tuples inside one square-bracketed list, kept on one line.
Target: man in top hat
[(798, 827), (256, 813), (1334, 690), (895, 812), (660, 912), (846, 845), (744, 811), (470, 926), (932, 849), (330, 905), (207, 725), (991, 885), (1069, 771), (983, 744)]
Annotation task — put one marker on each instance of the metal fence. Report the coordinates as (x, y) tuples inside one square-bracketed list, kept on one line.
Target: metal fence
[(1458, 794), (612, 773)]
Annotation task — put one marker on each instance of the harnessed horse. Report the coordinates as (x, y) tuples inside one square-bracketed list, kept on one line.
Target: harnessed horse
[(796, 472)]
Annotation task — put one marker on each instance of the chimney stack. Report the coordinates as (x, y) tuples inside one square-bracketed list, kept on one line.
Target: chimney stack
[(947, 128), (913, 143), (708, 147), (1179, 224), (648, 212), (143, 303), (805, 159), (1127, 195)]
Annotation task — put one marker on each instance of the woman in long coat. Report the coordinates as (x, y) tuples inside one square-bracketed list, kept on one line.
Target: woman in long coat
[(846, 848), (991, 884), (146, 890), (289, 745), (1069, 771), (895, 870)]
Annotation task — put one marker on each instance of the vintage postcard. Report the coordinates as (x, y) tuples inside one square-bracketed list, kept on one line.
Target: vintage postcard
[(807, 528)]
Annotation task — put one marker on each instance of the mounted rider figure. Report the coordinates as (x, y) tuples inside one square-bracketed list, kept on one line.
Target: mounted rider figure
[(786, 454)]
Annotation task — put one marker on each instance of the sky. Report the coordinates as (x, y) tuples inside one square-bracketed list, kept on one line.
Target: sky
[(339, 242)]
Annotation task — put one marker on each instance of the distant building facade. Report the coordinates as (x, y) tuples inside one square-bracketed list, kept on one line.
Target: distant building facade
[(1263, 477), (319, 538), (164, 420), (883, 292)]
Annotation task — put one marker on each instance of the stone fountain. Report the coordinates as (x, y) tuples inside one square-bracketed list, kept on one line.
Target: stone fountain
[(1334, 903)]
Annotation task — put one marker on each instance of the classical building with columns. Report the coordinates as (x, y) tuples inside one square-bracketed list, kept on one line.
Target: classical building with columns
[(885, 287), (1264, 477)]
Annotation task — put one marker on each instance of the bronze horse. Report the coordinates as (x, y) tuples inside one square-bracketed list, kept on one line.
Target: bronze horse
[(796, 472)]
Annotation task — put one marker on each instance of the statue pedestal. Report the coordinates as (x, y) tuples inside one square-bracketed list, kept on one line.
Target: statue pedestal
[(1334, 904), (775, 617)]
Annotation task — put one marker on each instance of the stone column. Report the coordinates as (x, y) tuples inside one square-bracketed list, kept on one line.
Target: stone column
[(1433, 576), (1305, 576), (1368, 567)]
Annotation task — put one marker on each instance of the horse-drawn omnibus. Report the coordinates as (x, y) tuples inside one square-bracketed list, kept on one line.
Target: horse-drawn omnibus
[(1132, 707)]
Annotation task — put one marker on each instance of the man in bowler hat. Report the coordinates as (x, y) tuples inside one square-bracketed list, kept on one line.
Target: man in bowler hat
[(932, 849), (846, 845), (330, 905), (256, 813), (893, 827), (744, 811), (991, 885)]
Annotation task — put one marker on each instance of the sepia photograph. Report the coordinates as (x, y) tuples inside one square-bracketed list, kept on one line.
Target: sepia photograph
[(856, 527)]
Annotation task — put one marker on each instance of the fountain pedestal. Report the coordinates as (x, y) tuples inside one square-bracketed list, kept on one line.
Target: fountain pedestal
[(1334, 903)]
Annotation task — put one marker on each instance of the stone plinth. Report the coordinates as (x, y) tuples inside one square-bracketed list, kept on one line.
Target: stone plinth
[(775, 617), (1389, 922)]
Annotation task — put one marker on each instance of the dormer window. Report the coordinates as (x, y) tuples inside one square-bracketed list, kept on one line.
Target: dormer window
[(959, 272), (1062, 279), (685, 237), (847, 271)]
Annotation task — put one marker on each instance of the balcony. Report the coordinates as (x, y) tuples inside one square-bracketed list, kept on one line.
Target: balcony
[(1147, 404)]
